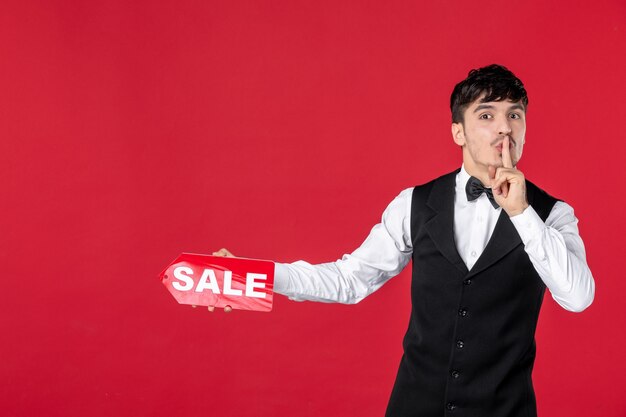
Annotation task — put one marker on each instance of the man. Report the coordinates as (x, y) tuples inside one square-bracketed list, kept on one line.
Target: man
[(485, 243)]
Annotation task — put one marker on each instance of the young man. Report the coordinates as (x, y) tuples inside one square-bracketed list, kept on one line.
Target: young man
[(485, 243)]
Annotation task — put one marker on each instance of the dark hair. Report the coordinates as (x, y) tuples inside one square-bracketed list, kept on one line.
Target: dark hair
[(494, 81)]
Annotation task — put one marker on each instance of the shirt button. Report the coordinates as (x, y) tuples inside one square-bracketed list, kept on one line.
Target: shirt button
[(455, 374), (467, 281), (462, 312), (460, 344), (450, 406), (474, 253)]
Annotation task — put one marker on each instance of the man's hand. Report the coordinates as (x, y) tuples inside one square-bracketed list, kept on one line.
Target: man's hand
[(226, 253), (223, 252), (508, 184)]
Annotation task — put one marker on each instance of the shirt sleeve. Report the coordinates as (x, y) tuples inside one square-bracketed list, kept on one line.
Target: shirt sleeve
[(384, 254), (557, 252)]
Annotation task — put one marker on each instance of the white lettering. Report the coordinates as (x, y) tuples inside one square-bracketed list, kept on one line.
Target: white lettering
[(212, 284), (251, 285), (179, 273), (228, 284), (208, 280)]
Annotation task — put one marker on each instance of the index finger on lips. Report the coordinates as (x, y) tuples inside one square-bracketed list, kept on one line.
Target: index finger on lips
[(506, 153)]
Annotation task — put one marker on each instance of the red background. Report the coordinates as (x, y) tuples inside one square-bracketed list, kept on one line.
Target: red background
[(131, 131)]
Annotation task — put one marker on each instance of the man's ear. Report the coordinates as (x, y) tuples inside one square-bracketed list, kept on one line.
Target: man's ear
[(458, 134)]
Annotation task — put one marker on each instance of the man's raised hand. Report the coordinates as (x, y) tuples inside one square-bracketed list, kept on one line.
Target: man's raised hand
[(508, 184)]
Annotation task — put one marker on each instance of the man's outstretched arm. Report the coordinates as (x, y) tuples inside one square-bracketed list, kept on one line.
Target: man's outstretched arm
[(384, 254)]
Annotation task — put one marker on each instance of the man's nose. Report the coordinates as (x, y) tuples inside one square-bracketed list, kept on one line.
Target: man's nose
[(504, 127)]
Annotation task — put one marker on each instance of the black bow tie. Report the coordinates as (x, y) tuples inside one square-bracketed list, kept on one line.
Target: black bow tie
[(475, 188)]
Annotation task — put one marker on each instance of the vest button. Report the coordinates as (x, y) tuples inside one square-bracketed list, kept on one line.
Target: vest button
[(455, 374), (462, 312), (467, 281), (460, 344), (450, 406)]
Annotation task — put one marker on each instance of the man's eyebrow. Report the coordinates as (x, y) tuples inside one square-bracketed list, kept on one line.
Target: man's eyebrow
[(482, 107), (516, 106)]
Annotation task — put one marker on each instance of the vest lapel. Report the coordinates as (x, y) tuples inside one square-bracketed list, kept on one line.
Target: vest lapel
[(440, 227), (503, 240)]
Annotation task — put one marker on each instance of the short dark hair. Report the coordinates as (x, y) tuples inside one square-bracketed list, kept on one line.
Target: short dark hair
[(494, 81)]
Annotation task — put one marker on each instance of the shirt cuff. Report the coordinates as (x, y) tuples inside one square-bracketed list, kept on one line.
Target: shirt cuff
[(528, 224), (281, 278)]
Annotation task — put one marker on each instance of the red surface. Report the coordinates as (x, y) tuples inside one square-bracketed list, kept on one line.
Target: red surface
[(134, 130), (202, 280)]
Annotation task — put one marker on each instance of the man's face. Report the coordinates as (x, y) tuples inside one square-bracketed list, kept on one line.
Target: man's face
[(484, 128)]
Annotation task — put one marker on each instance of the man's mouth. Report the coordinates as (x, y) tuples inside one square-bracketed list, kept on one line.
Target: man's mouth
[(499, 145)]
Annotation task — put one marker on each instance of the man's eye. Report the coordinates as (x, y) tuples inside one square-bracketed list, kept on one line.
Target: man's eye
[(515, 116), (485, 116)]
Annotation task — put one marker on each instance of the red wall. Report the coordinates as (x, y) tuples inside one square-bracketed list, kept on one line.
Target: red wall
[(131, 131)]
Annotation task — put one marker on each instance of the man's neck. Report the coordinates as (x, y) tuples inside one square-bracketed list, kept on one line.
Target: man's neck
[(482, 173)]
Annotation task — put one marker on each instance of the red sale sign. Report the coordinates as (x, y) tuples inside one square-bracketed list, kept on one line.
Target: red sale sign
[(244, 284)]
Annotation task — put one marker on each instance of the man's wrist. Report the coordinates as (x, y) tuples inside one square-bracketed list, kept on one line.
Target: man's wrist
[(519, 211), (529, 225), (281, 278)]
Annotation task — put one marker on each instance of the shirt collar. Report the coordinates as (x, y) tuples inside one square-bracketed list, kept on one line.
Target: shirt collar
[(461, 180), (463, 176)]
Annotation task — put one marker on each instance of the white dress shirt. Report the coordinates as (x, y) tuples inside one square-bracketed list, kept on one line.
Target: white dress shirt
[(554, 248)]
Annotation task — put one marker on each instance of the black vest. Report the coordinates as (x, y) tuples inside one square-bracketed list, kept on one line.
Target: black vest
[(470, 346)]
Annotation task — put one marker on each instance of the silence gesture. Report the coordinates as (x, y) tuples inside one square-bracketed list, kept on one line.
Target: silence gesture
[(508, 183)]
